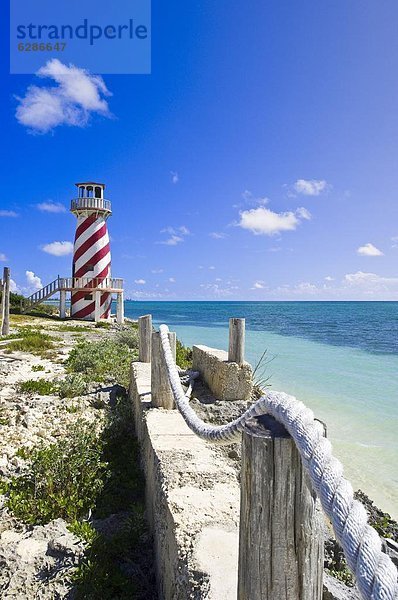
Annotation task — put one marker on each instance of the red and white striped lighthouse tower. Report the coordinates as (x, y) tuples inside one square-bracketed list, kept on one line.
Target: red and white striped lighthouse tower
[(92, 255)]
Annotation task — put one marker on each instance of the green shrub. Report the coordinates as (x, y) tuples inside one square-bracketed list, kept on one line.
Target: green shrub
[(129, 337), (100, 575), (37, 368), (73, 385), (103, 573), (4, 420), (43, 310), (101, 361), (43, 387), (62, 480), (183, 355)]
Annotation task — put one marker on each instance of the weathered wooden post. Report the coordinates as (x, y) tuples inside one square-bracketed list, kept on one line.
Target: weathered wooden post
[(120, 308), (280, 536), (5, 303), (145, 338), (62, 304), (1, 305), (236, 350), (162, 395), (97, 306)]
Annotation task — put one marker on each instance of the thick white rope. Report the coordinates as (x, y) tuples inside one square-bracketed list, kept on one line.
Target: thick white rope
[(374, 571)]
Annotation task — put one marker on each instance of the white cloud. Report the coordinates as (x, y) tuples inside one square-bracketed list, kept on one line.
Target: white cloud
[(177, 235), (71, 102), (361, 278), (140, 281), (58, 248), (172, 280), (303, 213), (217, 236), (353, 286), (3, 257), (8, 213), (369, 250), (310, 187), (217, 291), (250, 198), (174, 177), (328, 278), (13, 287), (263, 221), (394, 242), (172, 240), (258, 285), (156, 271), (51, 207), (34, 282), (212, 267)]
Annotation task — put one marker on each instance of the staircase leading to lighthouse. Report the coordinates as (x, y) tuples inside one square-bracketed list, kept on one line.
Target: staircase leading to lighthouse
[(41, 295), (67, 284)]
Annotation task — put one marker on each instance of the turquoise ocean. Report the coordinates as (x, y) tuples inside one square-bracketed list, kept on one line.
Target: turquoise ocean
[(339, 358)]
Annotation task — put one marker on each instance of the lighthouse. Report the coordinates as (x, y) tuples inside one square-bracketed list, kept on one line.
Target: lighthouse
[(91, 268), (91, 286)]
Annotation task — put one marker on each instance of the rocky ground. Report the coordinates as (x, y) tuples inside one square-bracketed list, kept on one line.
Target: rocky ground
[(37, 561)]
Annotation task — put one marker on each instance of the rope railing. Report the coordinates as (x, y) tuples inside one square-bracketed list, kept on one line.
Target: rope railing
[(375, 574)]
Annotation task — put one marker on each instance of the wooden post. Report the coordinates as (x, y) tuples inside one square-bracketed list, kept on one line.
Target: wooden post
[(5, 328), (162, 396), (120, 309), (97, 309), (280, 536), (236, 350), (1, 305), (145, 338), (62, 304)]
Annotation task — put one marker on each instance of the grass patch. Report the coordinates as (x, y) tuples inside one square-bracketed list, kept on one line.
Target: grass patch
[(102, 325), (37, 368), (104, 361), (183, 355), (32, 341), (71, 328), (43, 387)]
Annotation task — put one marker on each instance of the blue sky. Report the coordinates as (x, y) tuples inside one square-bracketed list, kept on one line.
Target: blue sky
[(257, 161)]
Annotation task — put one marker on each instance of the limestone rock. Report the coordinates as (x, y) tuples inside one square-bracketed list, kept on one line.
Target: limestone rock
[(226, 380), (333, 589)]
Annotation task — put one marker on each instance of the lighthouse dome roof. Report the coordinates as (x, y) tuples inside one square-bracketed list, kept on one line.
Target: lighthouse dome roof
[(90, 183)]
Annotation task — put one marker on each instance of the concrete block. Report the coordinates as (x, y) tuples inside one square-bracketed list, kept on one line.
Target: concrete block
[(226, 380)]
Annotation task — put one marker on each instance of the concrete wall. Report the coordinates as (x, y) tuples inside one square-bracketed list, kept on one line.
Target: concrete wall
[(226, 380), (192, 502)]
